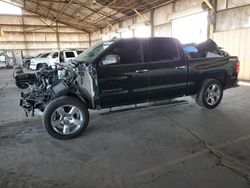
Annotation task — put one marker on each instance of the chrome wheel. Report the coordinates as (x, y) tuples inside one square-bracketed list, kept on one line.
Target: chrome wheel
[(213, 94), (67, 119)]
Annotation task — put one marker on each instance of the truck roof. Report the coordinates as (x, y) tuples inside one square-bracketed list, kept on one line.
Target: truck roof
[(136, 38)]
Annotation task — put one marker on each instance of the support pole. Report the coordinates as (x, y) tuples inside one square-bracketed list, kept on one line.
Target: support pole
[(57, 38), (152, 23), (90, 43), (24, 35)]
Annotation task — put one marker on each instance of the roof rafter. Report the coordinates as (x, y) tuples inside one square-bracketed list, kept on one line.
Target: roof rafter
[(85, 15), (63, 9), (96, 10), (100, 9), (65, 14)]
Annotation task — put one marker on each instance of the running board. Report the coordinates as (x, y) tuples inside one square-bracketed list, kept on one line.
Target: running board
[(142, 106)]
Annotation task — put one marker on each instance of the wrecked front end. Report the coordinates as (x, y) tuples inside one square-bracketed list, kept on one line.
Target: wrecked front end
[(38, 89), (42, 87)]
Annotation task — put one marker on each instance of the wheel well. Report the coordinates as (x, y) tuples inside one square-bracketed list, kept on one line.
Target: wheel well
[(39, 64), (85, 100), (219, 76)]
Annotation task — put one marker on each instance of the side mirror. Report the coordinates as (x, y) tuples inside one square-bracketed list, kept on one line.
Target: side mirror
[(111, 59)]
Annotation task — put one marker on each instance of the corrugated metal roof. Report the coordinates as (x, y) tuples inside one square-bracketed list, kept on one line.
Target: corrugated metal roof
[(87, 15)]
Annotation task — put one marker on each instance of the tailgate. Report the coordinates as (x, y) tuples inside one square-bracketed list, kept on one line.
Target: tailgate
[(234, 69)]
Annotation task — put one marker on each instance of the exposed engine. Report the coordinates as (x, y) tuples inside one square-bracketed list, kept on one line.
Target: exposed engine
[(45, 85)]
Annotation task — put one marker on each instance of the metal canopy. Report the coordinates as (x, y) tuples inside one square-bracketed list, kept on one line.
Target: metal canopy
[(86, 15)]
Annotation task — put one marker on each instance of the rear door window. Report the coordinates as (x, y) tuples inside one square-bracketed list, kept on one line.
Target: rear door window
[(160, 49), (69, 54)]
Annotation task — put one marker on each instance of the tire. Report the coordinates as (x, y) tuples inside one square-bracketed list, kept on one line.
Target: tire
[(211, 94), (22, 85), (17, 70), (39, 66), (65, 117)]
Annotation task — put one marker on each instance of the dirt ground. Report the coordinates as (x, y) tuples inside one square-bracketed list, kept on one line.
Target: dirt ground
[(179, 145)]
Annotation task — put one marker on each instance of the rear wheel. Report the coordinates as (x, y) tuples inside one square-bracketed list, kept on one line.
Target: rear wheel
[(210, 94), (65, 118)]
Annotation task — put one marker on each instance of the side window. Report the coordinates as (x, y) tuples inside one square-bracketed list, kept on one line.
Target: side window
[(160, 49), (69, 54), (55, 55), (78, 52), (129, 52)]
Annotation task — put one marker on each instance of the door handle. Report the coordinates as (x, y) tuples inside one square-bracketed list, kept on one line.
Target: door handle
[(181, 67), (141, 71)]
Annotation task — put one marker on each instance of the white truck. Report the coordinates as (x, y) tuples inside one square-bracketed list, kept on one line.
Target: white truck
[(50, 59)]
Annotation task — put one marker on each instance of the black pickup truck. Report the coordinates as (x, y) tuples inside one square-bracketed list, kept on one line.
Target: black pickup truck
[(127, 71)]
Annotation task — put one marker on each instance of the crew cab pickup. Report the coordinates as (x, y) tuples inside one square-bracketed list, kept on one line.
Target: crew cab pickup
[(129, 71)]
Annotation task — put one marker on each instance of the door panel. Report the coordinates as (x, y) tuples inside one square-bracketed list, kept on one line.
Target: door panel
[(167, 69), (125, 82), (166, 80)]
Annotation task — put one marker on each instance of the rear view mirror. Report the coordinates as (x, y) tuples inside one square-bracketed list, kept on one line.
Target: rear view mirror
[(111, 59)]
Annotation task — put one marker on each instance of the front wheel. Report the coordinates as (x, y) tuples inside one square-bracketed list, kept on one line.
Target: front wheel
[(65, 118), (210, 94), (40, 66)]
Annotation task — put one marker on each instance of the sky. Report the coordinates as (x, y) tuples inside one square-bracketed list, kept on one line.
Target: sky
[(6, 8)]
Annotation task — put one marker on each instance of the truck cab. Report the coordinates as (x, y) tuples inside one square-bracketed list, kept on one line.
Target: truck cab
[(63, 56), (67, 55), (130, 71), (137, 70)]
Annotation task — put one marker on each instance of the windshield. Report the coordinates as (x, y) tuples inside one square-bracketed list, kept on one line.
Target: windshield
[(92, 52), (45, 55), (38, 55)]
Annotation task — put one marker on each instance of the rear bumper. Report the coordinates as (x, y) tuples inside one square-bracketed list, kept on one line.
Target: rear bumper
[(232, 82)]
